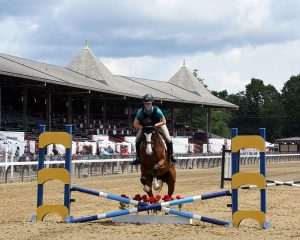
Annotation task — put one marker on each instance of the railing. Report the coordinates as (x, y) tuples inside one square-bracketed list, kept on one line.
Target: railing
[(88, 166)]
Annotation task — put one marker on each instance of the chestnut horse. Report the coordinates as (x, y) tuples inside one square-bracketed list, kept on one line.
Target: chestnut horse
[(154, 162)]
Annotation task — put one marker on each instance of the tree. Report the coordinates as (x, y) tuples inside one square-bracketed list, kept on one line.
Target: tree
[(291, 104), (259, 106), (272, 115), (195, 73), (220, 124)]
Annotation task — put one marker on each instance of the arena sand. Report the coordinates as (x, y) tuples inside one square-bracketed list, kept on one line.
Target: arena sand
[(18, 203)]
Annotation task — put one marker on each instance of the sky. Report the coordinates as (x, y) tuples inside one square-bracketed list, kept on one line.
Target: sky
[(229, 42)]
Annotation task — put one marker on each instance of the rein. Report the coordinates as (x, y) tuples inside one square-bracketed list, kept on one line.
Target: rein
[(153, 131)]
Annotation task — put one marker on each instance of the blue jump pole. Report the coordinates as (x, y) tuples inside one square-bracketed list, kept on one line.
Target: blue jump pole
[(146, 207), (41, 165), (108, 196), (196, 198), (234, 170), (164, 204), (117, 213), (194, 216), (67, 197), (263, 192), (151, 207)]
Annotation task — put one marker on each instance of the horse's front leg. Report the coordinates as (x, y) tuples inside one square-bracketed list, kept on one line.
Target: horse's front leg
[(147, 182), (171, 179), (156, 186)]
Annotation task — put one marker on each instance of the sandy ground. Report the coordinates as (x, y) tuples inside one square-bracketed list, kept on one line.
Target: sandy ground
[(18, 203)]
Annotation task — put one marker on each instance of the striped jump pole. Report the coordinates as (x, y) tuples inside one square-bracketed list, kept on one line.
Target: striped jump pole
[(146, 207), (137, 203), (289, 183), (114, 214), (254, 186), (196, 198), (275, 183), (108, 196), (195, 216)]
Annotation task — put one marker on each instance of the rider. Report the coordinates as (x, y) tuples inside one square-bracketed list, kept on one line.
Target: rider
[(154, 116)]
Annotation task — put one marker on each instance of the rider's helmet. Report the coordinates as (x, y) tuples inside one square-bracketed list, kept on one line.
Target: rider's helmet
[(148, 98)]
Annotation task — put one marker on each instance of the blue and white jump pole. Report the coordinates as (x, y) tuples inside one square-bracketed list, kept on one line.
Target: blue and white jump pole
[(146, 207)]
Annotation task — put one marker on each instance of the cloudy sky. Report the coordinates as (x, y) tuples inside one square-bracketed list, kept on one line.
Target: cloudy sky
[(229, 42)]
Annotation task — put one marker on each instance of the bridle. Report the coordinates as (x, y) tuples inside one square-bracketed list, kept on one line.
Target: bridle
[(148, 140)]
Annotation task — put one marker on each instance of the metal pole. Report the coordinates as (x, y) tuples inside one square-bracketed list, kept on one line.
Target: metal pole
[(67, 198), (41, 166), (223, 167), (263, 192), (234, 170), (87, 111), (12, 166), (172, 121), (25, 105), (129, 115), (0, 108), (48, 110), (104, 112), (69, 108)]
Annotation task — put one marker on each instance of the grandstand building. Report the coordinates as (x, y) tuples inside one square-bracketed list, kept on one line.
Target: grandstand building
[(291, 144), (87, 95)]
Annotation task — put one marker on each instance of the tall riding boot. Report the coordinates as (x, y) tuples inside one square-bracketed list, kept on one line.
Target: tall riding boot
[(136, 161), (170, 152)]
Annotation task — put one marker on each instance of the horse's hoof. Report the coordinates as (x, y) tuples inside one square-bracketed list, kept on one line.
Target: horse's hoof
[(157, 186)]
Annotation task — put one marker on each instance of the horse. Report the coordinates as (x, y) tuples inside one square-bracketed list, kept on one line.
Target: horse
[(154, 163)]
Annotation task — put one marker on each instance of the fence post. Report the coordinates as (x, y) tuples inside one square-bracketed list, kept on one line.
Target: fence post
[(223, 167)]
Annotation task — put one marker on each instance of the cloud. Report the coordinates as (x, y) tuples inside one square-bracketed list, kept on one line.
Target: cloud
[(17, 34), (30, 8), (172, 27), (231, 69), (228, 41)]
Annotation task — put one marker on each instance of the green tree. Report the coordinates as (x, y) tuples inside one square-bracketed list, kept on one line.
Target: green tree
[(222, 117), (195, 73), (195, 118), (220, 124), (259, 106), (291, 104), (272, 115)]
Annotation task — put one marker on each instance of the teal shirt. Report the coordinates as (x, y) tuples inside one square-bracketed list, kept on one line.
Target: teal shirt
[(159, 113)]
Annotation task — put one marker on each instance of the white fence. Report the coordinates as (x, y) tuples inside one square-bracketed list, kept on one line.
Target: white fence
[(19, 171)]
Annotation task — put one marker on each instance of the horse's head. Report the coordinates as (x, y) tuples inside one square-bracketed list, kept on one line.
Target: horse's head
[(149, 132)]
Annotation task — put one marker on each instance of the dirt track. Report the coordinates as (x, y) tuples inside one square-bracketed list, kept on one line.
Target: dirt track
[(18, 202)]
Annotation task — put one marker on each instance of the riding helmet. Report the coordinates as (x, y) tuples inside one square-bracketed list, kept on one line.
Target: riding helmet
[(148, 98)]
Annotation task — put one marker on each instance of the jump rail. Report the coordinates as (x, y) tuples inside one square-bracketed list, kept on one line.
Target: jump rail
[(146, 207)]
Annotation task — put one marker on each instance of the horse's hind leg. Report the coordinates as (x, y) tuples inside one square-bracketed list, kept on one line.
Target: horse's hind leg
[(170, 180), (171, 188)]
